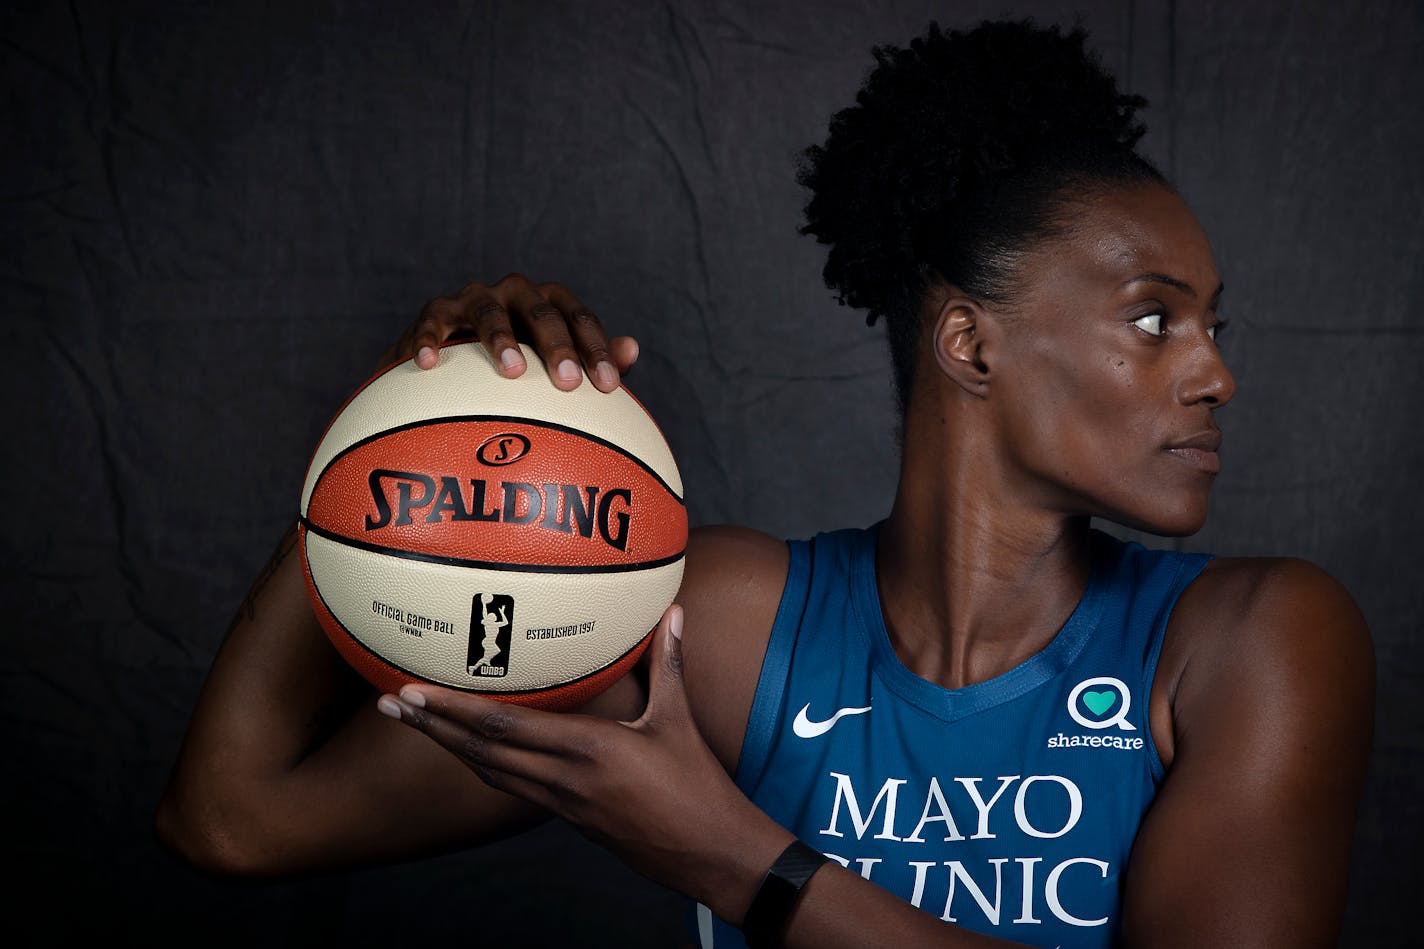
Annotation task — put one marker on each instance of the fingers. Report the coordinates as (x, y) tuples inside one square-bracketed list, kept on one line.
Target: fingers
[(485, 312), (444, 714), (625, 353), (587, 334), (495, 734), (579, 767), (438, 319), (567, 335), (490, 738), (548, 329), (426, 336)]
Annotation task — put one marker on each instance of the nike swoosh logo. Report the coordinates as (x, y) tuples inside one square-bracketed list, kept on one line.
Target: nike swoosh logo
[(805, 728)]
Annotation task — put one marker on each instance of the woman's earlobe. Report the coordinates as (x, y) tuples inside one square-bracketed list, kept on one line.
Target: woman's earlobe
[(958, 344)]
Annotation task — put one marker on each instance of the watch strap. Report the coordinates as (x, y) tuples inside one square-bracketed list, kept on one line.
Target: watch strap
[(780, 889)]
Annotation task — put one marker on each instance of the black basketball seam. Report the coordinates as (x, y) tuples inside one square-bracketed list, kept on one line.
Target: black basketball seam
[(487, 564), (445, 685), (517, 419)]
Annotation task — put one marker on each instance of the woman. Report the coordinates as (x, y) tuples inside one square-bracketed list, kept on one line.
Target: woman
[(1002, 726)]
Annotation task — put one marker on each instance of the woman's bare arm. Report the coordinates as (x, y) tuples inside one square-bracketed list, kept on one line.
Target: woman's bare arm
[(1248, 842), (288, 768)]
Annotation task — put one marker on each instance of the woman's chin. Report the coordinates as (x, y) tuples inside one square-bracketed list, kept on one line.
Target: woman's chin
[(1182, 522)]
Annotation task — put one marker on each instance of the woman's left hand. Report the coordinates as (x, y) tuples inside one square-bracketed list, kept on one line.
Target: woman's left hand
[(650, 790)]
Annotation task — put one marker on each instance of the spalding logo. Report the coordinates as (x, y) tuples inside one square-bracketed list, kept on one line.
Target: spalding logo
[(503, 449), (582, 509)]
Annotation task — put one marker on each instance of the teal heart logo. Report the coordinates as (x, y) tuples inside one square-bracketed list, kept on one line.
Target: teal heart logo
[(1099, 702)]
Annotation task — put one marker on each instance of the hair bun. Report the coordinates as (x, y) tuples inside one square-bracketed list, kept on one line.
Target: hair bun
[(954, 150)]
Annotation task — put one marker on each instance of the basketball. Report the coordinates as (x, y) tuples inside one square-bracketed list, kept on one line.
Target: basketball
[(492, 535)]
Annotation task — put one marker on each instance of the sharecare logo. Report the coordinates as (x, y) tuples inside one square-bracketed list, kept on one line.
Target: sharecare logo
[(1101, 703), (1098, 703)]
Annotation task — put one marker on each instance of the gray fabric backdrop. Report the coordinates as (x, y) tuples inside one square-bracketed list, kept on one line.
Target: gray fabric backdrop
[(217, 214)]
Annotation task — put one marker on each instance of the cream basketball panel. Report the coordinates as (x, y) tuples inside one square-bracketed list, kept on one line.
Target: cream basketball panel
[(417, 615), (465, 382)]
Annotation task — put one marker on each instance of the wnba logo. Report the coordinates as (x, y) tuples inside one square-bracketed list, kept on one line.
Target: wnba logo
[(491, 626)]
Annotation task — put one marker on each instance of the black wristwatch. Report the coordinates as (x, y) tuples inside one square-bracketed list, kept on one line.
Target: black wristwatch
[(765, 922)]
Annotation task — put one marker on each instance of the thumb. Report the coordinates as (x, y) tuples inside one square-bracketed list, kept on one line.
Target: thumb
[(667, 697), (625, 352)]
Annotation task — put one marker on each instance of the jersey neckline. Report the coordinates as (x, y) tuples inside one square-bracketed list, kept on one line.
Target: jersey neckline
[(951, 705)]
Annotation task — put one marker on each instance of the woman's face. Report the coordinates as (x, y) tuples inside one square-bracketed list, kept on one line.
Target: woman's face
[(1108, 371)]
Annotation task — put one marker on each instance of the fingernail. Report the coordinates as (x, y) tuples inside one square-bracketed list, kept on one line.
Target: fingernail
[(675, 623), (606, 376), (413, 696), (512, 358), (567, 371), (388, 707), (425, 355)]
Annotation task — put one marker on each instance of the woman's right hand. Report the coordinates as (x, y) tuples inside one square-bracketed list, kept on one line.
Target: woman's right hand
[(565, 333)]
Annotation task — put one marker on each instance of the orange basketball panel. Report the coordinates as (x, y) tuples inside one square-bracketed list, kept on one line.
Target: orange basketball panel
[(513, 492)]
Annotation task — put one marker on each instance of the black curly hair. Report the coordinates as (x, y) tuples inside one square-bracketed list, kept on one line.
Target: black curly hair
[(960, 153)]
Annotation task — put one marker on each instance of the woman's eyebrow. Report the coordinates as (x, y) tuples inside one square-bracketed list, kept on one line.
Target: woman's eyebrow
[(1181, 285)]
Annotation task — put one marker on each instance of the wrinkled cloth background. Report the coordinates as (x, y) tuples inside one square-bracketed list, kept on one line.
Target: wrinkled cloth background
[(216, 215)]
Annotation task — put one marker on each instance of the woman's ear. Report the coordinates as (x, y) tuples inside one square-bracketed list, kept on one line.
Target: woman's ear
[(960, 342)]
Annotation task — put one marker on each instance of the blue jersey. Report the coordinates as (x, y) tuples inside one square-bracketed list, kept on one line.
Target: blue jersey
[(1008, 807)]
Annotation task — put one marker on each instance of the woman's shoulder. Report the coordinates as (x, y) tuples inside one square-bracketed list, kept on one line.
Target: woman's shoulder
[(719, 543), (732, 570), (1266, 598), (730, 594), (1265, 635), (1268, 609), (737, 575)]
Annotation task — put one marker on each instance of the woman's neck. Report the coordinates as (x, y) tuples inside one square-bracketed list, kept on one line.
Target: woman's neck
[(973, 580)]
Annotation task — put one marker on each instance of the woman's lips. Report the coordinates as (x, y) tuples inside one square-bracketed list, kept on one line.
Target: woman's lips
[(1199, 450), (1199, 458)]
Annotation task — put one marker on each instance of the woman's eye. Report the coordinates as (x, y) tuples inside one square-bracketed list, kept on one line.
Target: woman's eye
[(1151, 324)]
